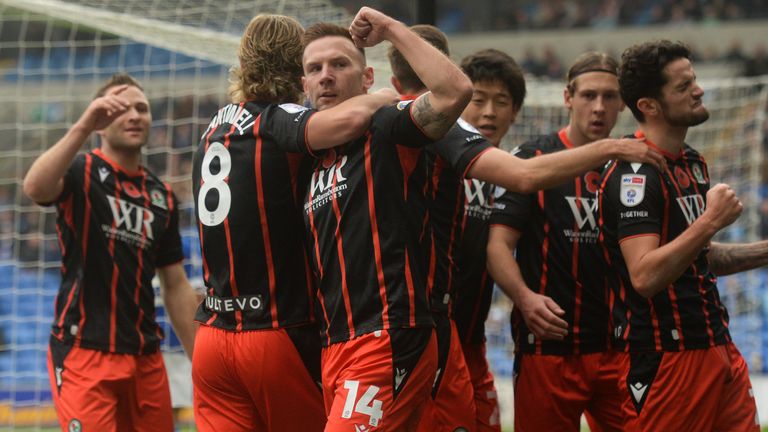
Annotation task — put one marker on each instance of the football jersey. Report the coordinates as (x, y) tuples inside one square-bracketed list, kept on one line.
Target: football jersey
[(448, 162), (115, 228), (559, 255), (639, 200), (364, 214), (248, 186)]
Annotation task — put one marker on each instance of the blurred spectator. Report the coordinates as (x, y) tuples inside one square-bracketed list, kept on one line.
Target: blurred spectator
[(757, 64)]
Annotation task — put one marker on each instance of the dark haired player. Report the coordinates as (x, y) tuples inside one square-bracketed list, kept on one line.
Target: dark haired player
[(682, 370), (118, 226), (543, 253)]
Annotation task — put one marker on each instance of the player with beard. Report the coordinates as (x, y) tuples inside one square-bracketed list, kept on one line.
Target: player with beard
[(118, 226), (248, 180), (364, 217), (463, 152), (543, 253), (681, 370)]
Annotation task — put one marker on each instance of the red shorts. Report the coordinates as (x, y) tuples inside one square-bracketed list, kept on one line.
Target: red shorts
[(257, 380), (100, 391), (556, 390), (379, 381), (486, 400), (694, 390), (452, 405)]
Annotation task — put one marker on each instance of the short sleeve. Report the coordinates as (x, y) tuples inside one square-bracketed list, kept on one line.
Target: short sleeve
[(169, 248), (514, 209), (286, 126), (395, 123), (636, 193), (461, 146)]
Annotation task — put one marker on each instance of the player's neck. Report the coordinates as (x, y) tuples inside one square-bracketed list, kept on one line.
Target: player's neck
[(575, 138), (128, 159), (666, 137)]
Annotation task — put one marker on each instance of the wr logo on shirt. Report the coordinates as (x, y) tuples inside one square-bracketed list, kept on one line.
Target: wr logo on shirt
[(692, 207), (131, 217), (584, 210), (474, 190), (324, 178)]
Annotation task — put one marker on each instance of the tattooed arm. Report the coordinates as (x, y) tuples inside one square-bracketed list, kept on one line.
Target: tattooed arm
[(450, 90), (725, 259)]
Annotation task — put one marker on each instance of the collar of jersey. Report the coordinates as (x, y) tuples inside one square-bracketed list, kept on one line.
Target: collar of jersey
[(116, 167), (564, 138), (640, 134)]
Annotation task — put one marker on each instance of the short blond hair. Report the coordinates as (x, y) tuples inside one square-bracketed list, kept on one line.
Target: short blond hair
[(270, 61)]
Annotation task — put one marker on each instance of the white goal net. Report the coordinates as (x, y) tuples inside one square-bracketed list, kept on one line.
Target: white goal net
[(54, 54)]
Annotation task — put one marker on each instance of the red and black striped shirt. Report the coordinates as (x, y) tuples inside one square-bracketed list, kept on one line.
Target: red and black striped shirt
[(364, 217), (248, 186), (115, 228), (448, 162), (639, 200), (559, 255)]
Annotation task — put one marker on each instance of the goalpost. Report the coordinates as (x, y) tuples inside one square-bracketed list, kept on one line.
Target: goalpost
[(55, 53)]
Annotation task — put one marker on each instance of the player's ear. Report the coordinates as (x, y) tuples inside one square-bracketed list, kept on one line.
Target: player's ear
[(367, 78), (649, 107), (567, 97), (396, 84)]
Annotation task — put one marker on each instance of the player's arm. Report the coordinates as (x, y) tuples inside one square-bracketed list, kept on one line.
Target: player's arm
[(44, 181), (180, 302), (541, 313), (449, 89), (653, 267), (347, 120), (725, 259), (543, 172)]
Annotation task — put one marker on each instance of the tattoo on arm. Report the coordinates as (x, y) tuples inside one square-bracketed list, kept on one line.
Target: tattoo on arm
[(434, 123), (725, 259)]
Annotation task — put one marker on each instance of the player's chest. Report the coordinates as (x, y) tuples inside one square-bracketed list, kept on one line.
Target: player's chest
[(129, 208)]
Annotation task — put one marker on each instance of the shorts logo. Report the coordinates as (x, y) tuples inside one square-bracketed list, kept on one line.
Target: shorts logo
[(632, 189), (638, 391), (74, 426), (400, 373)]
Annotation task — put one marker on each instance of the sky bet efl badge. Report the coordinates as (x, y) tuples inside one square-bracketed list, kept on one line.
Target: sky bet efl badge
[(632, 189)]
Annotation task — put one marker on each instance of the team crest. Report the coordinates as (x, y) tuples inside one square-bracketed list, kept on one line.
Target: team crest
[(158, 199), (75, 426), (632, 189), (698, 174), (402, 104)]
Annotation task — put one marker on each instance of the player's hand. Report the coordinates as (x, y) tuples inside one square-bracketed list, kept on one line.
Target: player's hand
[(369, 27), (723, 207), (102, 111), (636, 150), (542, 315)]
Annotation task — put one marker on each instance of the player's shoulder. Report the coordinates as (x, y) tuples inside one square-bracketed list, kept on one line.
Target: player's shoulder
[(541, 144)]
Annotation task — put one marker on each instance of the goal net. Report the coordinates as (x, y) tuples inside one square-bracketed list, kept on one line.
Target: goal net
[(55, 53)]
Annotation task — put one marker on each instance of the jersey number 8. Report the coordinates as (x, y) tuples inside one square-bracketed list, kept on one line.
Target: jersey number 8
[(216, 182)]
